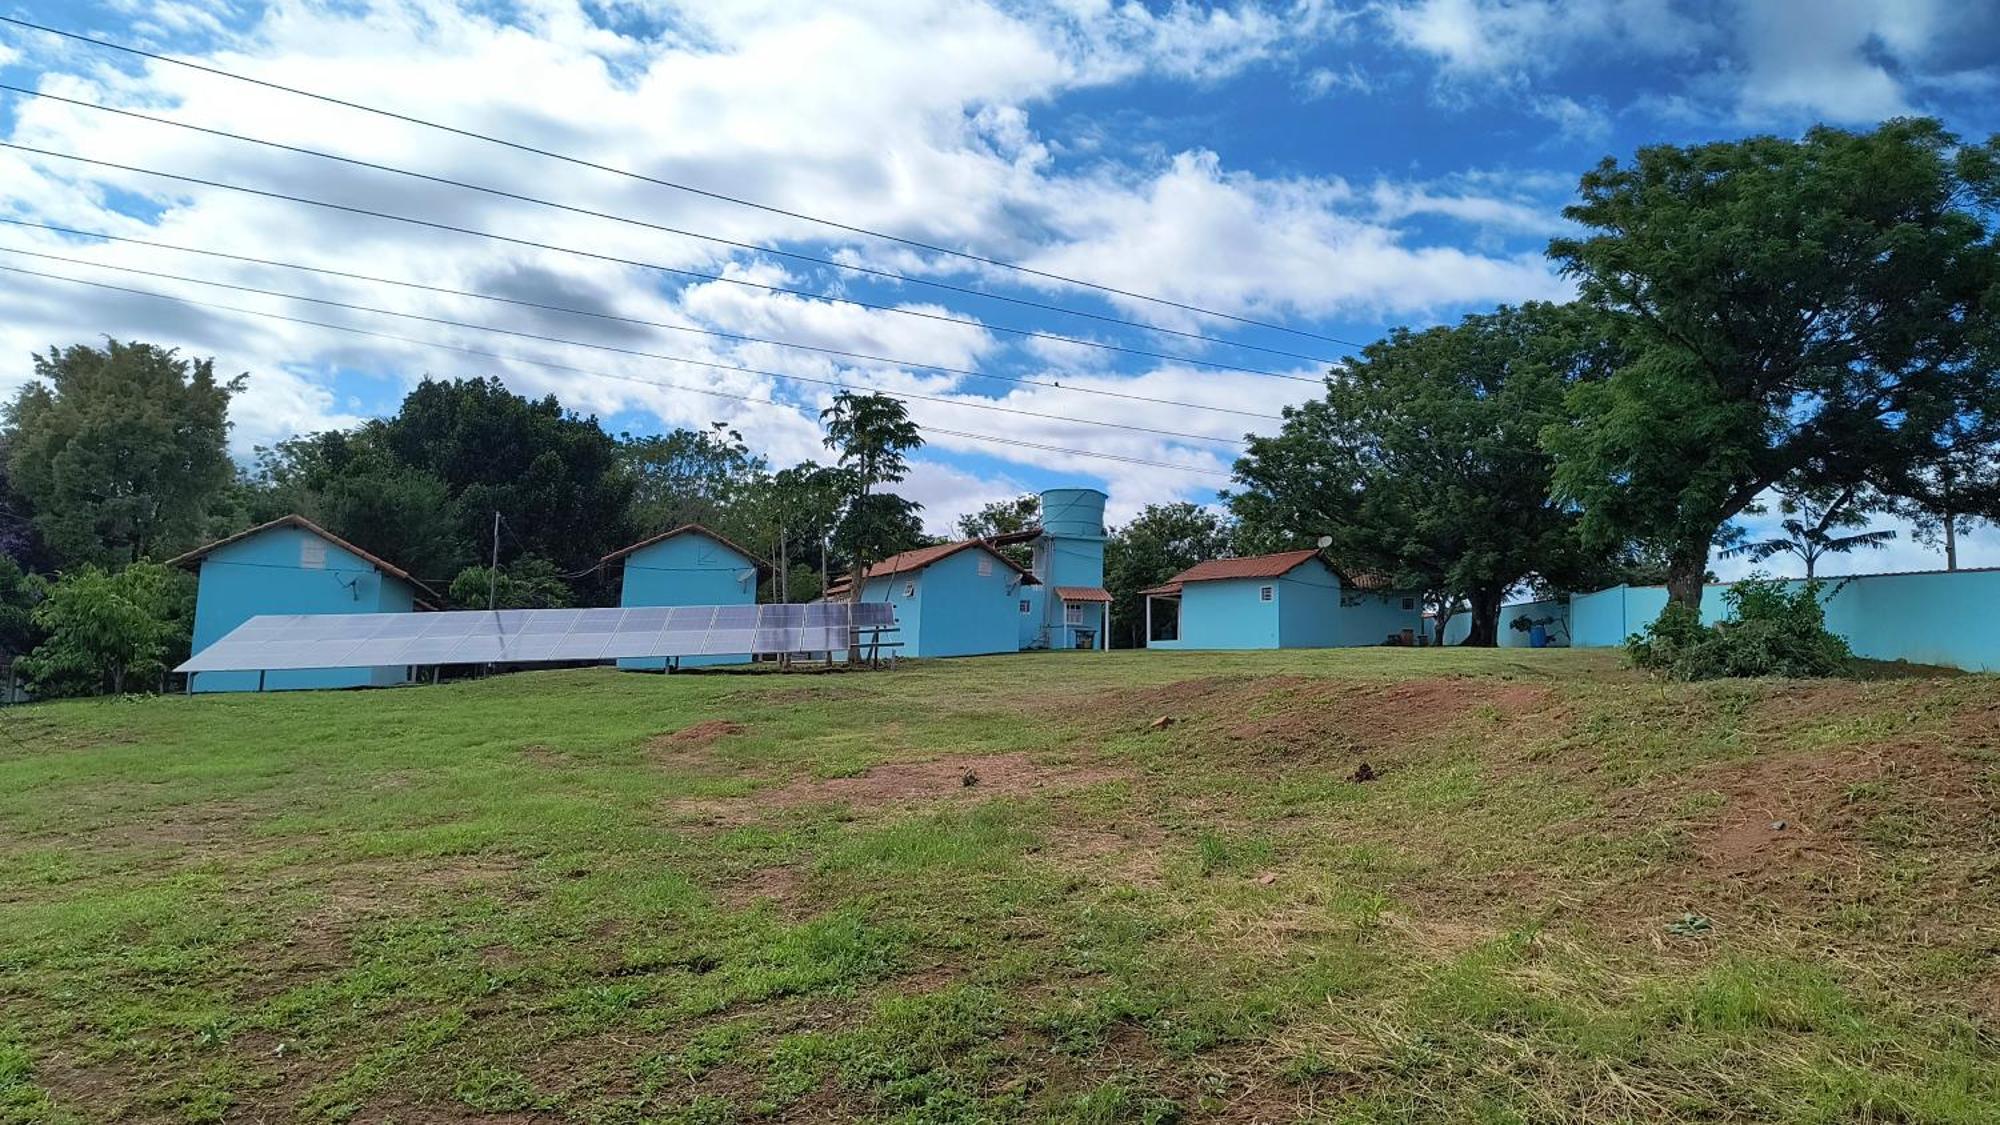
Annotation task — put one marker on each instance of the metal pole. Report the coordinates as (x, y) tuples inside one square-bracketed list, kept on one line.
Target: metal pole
[(493, 572)]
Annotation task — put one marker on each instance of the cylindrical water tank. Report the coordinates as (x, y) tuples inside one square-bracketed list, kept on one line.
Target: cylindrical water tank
[(1073, 513)]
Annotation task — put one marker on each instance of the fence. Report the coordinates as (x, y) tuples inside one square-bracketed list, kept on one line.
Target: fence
[(1926, 617)]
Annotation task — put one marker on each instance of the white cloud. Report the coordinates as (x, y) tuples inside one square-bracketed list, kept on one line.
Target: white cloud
[(1508, 39), (918, 118)]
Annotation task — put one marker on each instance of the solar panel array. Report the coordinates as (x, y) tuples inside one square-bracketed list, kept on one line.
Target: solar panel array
[(532, 636)]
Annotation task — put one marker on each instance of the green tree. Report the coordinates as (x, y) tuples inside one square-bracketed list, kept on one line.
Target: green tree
[(878, 525), (555, 476), (871, 433), (1952, 484), (119, 451), (1789, 307), (351, 484), (110, 632), (1004, 517), (1160, 542), (688, 476), (19, 592), (526, 583), (793, 513), (1422, 463), (1813, 526)]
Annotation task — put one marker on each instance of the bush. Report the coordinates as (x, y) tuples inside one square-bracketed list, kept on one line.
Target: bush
[(1772, 629), (110, 632)]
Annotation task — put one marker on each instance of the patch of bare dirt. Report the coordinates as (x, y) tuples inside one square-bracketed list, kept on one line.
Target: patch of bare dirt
[(781, 886), (1294, 715), (704, 733), (1112, 858), (958, 778)]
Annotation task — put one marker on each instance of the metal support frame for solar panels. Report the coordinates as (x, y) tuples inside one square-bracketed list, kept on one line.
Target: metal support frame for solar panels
[(487, 637)]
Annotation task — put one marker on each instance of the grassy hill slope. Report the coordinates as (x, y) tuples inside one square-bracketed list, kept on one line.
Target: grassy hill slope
[(1092, 888)]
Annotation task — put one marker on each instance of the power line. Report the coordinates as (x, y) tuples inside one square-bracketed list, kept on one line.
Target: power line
[(908, 396), (503, 193), (696, 274), (995, 439), (666, 325), (707, 193)]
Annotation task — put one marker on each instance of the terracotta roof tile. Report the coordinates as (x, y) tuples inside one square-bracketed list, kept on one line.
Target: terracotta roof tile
[(1083, 594), (1252, 566), (924, 556)]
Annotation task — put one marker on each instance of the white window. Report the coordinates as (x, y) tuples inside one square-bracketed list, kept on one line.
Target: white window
[(1265, 593), (986, 566), (1072, 613), (909, 589), (312, 553), (1026, 606)]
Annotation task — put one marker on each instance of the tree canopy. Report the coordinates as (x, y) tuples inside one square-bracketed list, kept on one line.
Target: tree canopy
[(119, 450), (1785, 306), (1423, 465)]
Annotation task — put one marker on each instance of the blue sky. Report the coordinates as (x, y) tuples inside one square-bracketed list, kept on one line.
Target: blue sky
[(1337, 168)]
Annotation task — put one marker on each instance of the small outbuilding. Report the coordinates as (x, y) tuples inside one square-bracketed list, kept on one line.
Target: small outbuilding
[(954, 599), (689, 565), (289, 566), (1292, 599)]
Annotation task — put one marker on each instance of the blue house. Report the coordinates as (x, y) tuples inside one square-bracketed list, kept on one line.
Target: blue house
[(954, 599), (292, 565), (689, 565), (1068, 607), (1293, 599)]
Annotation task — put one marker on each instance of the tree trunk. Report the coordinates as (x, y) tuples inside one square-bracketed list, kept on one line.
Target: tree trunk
[(1687, 569), (1950, 541), (1485, 631)]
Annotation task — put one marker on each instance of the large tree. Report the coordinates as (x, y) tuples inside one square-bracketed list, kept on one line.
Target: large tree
[(118, 451), (688, 476), (1789, 307), (1817, 523), (351, 484), (554, 476), (871, 434), (1422, 464), (1160, 542)]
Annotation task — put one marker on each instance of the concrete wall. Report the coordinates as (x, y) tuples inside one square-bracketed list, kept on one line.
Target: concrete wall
[(689, 569), (1950, 618), (290, 570), (951, 609), (1226, 614), (1460, 625)]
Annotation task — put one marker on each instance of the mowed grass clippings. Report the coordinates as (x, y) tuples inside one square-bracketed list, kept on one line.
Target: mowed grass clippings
[(1340, 886)]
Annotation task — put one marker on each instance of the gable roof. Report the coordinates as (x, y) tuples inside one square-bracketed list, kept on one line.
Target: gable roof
[(924, 556), (303, 524), (684, 529), (1251, 566)]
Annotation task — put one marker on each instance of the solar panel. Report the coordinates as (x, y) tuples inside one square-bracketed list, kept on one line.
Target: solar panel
[(528, 636)]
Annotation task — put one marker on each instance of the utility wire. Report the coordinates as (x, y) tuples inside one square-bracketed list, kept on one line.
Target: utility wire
[(695, 274), (908, 396), (503, 193), (995, 439), (707, 193), (666, 325)]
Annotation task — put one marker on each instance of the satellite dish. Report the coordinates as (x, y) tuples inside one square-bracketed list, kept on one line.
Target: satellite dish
[(1325, 541)]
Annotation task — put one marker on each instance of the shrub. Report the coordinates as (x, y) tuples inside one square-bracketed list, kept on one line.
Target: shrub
[(1772, 629), (110, 632)]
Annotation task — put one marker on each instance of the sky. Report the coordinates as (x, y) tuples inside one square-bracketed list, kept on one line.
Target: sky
[(1328, 169)]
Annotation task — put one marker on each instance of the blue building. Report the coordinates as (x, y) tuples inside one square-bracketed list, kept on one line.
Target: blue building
[(689, 565), (954, 599), (1293, 599), (287, 566), (1068, 608)]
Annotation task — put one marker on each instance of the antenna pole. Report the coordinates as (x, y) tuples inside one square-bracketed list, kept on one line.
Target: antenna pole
[(493, 571)]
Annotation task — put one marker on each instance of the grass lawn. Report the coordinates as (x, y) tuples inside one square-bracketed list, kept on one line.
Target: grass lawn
[(1003, 889)]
